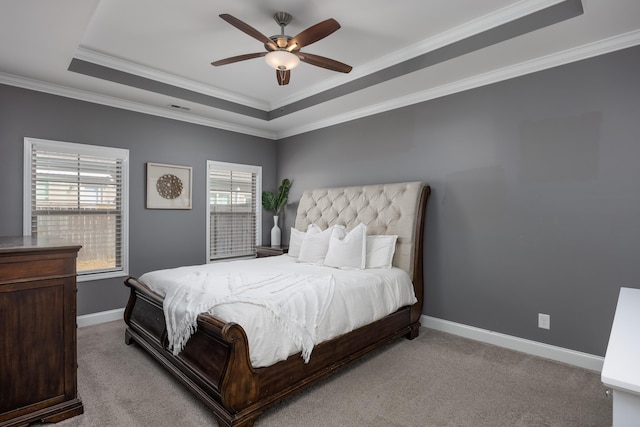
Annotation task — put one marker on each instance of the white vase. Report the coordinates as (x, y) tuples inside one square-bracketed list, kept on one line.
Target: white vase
[(275, 232)]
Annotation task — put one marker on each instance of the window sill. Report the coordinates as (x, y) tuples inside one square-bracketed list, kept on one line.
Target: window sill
[(100, 276)]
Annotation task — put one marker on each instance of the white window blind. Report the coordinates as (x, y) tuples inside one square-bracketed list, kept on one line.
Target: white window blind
[(78, 193), (233, 214)]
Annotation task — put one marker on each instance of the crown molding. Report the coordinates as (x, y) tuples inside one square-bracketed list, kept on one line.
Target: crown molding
[(586, 51), (468, 29), (110, 101), (461, 32), (108, 61)]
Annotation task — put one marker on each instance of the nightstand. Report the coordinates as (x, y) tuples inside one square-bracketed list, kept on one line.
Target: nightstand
[(265, 251)]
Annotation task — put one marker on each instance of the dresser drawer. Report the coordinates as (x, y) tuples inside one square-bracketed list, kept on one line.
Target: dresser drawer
[(34, 269)]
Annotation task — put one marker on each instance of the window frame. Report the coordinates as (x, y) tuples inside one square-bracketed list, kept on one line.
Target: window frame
[(90, 150), (258, 203)]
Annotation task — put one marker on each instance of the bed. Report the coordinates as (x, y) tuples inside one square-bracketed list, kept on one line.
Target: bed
[(215, 363)]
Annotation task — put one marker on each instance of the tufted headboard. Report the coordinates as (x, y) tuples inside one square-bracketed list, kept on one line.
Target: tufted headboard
[(385, 209)]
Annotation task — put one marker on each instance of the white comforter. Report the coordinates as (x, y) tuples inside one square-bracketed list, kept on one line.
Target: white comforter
[(284, 306)]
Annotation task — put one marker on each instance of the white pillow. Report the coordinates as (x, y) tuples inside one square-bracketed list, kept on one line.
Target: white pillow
[(380, 250), (347, 250), (295, 241), (315, 244)]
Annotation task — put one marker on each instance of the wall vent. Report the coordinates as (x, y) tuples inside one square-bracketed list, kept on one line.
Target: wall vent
[(178, 107)]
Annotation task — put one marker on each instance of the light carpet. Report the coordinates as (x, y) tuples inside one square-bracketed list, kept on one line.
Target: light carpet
[(437, 379)]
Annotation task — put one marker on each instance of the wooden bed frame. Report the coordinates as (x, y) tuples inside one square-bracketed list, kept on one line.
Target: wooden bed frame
[(215, 363)]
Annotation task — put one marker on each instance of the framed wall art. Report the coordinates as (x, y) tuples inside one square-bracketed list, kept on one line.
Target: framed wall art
[(168, 186)]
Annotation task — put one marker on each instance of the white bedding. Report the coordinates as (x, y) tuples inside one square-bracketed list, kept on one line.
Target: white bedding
[(355, 298)]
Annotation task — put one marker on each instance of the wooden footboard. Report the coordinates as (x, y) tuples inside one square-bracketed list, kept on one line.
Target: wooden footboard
[(224, 379)]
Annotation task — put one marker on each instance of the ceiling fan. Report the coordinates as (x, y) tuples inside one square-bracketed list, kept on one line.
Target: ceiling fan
[(283, 51)]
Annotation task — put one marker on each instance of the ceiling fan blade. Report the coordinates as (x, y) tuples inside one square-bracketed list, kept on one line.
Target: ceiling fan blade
[(283, 77), (321, 61), (238, 58), (248, 29), (313, 34)]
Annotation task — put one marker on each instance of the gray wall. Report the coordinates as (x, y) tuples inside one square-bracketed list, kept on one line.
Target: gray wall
[(535, 204), (158, 238), (536, 200)]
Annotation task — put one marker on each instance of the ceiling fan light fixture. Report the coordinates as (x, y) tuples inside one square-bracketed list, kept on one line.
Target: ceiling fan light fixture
[(282, 60), (282, 41), (283, 51)]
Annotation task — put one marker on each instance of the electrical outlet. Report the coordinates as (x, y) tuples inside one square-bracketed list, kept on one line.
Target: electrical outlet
[(544, 321)]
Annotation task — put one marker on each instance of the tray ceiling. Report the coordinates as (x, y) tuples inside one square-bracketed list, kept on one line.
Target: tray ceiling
[(154, 55)]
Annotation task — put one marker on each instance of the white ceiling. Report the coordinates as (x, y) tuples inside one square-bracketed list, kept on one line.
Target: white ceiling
[(174, 42)]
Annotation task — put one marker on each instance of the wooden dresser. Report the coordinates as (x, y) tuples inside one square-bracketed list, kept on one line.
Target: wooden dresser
[(38, 355)]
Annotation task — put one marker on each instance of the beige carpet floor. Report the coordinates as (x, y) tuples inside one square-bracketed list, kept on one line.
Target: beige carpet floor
[(437, 379)]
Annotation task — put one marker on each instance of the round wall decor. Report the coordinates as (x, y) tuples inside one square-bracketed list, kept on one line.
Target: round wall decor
[(169, 186)]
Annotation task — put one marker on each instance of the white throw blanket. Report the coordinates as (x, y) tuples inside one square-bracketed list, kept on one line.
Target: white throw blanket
[(298, 302)]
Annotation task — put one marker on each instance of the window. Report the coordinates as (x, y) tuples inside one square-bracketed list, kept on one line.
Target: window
[(233, 214), (79, 193)]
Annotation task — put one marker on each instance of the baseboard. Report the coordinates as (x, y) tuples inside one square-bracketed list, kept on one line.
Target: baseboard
[(560, 354), (101, 317)]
